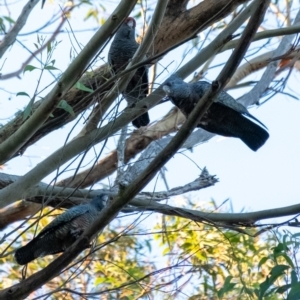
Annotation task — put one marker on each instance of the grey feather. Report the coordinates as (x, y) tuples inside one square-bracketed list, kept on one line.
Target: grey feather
[(224, 117), (62, 232), (122, 50)]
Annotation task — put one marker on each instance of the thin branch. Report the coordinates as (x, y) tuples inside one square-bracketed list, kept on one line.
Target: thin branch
[(163, 41), (67, 80), (11, 36), (184, 71), (41, 49), (123, 82), (23, 289), (267, 77), (121, 157)]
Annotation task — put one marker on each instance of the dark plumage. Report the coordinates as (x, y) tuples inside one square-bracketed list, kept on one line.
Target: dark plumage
[(120, 53), (62, 232), (224, 117)]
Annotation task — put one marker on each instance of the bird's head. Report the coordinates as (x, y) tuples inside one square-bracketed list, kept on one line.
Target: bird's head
[(176, 89), (130, 22), (127, 29), (100, 201)]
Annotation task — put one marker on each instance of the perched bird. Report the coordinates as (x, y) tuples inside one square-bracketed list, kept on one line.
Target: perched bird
[(120, 53), (225, 116), (62, 232)]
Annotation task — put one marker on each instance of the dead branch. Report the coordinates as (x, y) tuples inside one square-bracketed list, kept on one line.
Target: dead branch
[(137, 142)]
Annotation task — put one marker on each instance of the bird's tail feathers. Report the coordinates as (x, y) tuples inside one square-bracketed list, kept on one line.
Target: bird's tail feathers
[(252, 117), (253, 135), (38, 247), (27, 253)]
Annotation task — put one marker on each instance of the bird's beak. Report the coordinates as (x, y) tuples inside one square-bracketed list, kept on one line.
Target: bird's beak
[(167, 89), (130, 23)]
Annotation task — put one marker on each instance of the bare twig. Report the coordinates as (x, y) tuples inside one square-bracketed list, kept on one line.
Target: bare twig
[(21, 290), (67, 80), (11, 36), (42, 48), (267, 77)]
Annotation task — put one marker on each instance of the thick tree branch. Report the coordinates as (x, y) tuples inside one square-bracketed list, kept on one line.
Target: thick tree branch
[(123, 82), (108, 165), (12, 144), (190, 22), (21, 290), (162, 42)]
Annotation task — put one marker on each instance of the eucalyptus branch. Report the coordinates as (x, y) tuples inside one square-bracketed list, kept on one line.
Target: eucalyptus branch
[(21, 290), (164, 40), (11, 36), (267, 77), (292, 30), (9, 194), (121, 157), (68, 79), (123, 82)]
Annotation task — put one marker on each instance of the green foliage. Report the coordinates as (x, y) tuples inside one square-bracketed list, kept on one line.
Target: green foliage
[(230, 265), (67, 107), (208, 261), (5, 22), (82, 87), (48, 65), (114, 260)]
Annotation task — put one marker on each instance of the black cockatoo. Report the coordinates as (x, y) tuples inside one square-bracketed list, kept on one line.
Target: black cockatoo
[(62, 232), (225, 116), (120, 53)]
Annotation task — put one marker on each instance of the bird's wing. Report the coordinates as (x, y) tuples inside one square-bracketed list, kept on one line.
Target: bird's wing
[(65, 218), (224, 98)]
